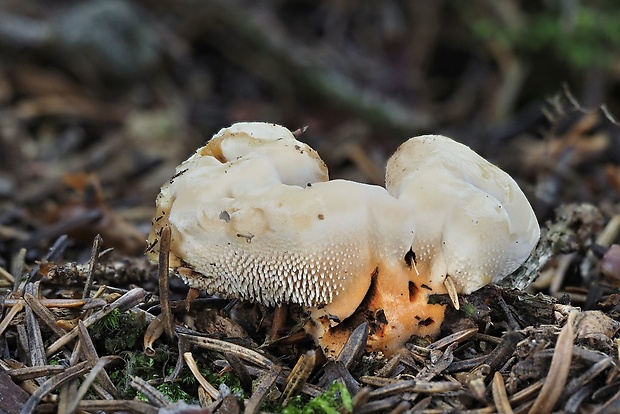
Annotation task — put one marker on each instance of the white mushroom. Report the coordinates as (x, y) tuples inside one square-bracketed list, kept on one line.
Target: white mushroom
[(473, 223), (253, 216)]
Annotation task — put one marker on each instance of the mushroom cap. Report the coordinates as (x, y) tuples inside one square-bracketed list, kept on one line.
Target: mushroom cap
[(473, 222), (270, 151), (236, 160)]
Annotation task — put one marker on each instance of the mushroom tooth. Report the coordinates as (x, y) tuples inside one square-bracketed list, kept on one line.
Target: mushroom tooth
[(473, 222), (452, 291)]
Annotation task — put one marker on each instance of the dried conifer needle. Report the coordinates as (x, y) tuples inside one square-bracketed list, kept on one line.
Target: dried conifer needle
[(150, 392), (298, 376), (52, 383), (262, 390), (9, 316), (43, 314), (502, 405), (279, 320), (5, 275), (60, 303), (153, 332), (88, 381), (90, 353), (222, 346), (452, 291), (558, 371), (191, 363)]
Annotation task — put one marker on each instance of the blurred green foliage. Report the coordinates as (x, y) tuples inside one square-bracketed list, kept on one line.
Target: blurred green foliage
[(582, 35)]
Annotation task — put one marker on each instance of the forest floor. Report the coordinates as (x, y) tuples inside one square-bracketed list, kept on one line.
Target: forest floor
[(93, 122)]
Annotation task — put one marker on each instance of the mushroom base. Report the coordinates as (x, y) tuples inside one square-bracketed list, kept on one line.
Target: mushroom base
[(395, 310)]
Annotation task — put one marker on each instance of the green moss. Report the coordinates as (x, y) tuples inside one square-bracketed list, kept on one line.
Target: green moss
[(118, 332), (172, 391), (138, 364), (121, 333), (228, 378), (469, 310), (156, 368), (332, 401)]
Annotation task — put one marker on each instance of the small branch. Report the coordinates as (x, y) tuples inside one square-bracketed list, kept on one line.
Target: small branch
[(163, 274), (94, 256)]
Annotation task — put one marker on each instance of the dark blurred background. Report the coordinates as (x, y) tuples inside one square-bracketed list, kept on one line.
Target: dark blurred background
[(101, 99)]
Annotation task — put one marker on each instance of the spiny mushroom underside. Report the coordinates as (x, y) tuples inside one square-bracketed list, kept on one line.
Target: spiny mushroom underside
[(257, 264)]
